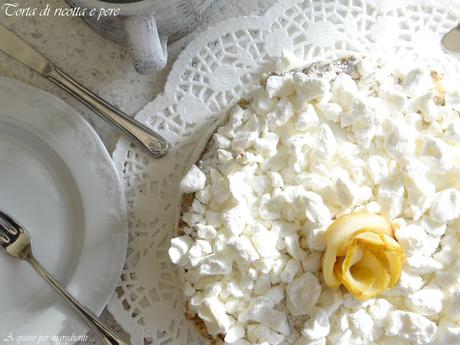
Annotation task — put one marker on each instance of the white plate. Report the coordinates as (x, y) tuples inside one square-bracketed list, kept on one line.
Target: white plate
[(58, 180)]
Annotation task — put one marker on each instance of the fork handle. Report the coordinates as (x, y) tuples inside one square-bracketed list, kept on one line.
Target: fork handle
[(105, 334)]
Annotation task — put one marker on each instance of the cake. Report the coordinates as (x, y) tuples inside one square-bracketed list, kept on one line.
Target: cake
[(310, 147)]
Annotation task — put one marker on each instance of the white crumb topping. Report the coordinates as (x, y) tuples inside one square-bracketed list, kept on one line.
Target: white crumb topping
[(310, 146), (193, 181)]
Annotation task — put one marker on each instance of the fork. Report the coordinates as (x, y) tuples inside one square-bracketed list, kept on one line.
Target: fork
[(15, 240)]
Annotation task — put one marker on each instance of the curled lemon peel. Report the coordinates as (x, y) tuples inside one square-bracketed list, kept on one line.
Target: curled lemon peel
[(362, 255)]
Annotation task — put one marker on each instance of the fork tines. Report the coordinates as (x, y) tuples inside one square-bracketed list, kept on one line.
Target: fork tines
[(7, 227)]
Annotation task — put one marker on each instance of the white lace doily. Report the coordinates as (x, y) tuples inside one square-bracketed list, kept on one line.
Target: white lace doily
[(209, 77)]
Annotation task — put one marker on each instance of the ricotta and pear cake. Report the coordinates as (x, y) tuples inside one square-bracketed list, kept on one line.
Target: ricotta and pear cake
[(325, 210)]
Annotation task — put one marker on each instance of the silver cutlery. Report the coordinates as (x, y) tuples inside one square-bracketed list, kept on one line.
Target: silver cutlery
[(24, 53), (451, 40), (15, 240)]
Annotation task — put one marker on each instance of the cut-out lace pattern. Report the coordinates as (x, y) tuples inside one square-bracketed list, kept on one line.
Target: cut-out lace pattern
[(211, 74)]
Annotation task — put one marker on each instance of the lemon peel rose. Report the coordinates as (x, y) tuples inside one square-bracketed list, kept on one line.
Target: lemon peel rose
[(362, 255)]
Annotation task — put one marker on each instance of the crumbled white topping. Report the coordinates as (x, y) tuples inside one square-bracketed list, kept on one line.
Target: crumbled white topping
[(432, 227), (379, 311), (280, 86), (216, 264), (411, 237), (305, 341), (262, 310), (449, 276), (410, 326), (317, 326), (330, 300), (391, 197), (308, 119), (349, 193), (326, 146), (446, 206), (362, 324), (395, 99), (449, 251), (421, 193), (213, 311), (447, 333), (302, 294), (234, 333), (308, 88), (452, 131), (453, 305), (344, 91), (417, 81), (265, 242), (243, 248), (234, 220), (308, 148), (179, 248), (295, 203), (315, 238), (199, 251), (330, 111), (193, 181), (206, 232), (289, 271), (437, 154), (422, 264), (426, 106), (427, 301), (378, 168), (400, 140), (259, 334)]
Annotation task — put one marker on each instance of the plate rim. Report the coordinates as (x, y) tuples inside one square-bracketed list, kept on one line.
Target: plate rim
[(97, 149)]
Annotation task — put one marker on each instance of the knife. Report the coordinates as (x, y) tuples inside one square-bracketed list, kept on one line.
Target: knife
[(24, 53), (451, 40)]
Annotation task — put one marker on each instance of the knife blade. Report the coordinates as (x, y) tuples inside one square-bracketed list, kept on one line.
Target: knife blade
[(24, 53), (21, 51), (451, 40)]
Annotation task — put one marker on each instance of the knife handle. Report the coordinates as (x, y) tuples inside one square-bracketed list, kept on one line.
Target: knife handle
[(147, 138)]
